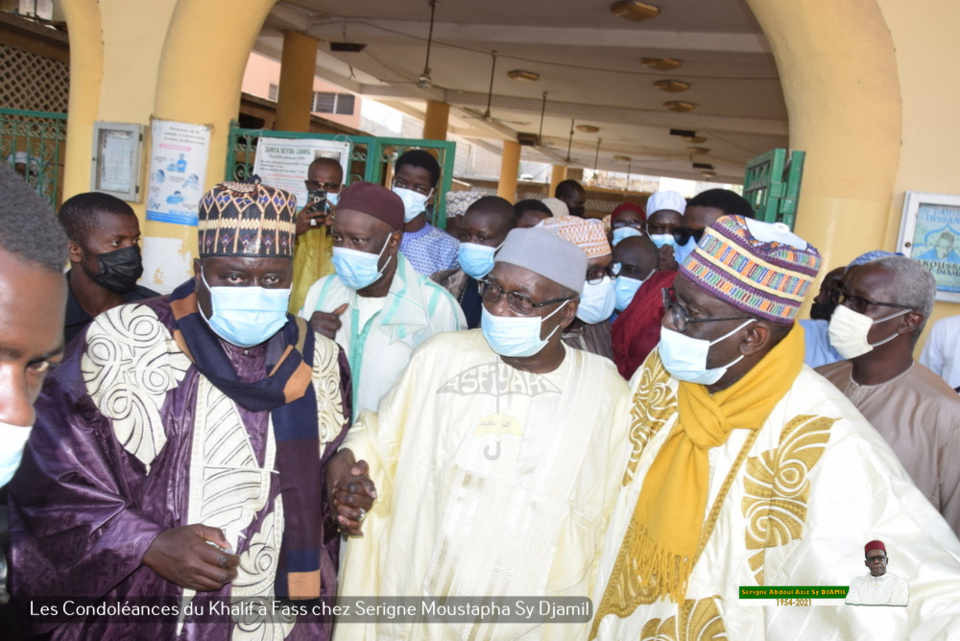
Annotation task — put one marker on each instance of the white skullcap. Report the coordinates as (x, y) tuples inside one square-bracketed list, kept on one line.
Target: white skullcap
[(556, 206), (665, 200)]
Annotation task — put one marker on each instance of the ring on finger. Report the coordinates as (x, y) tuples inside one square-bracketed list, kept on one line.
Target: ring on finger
[(363, 513)]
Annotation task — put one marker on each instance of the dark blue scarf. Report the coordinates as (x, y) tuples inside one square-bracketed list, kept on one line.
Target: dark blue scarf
[(287, 393)]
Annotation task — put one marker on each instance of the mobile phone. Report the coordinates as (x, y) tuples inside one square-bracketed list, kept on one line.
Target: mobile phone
[(317, 204)]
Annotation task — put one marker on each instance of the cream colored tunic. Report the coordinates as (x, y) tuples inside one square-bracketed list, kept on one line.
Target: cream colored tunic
[(491, 482), (801, 501)]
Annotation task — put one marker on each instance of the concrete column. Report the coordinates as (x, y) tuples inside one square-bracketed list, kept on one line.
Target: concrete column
[(557, 176), (852, 138), (131, 61), (435, 123), (298, 64), (509, 168)]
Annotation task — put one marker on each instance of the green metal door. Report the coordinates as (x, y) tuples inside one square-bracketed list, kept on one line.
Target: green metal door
[(772, 185), (371, 159), (34, 144)]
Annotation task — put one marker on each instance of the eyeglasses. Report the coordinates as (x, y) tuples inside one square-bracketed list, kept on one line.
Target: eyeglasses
[(423, 190), (860, 304), (681, 317), (874, 559), (636, 224), (521, 304), (330, 188), (597, 273)]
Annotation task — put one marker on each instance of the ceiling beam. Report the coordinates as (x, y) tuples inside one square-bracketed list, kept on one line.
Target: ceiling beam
[(638, 117), (386, 32)]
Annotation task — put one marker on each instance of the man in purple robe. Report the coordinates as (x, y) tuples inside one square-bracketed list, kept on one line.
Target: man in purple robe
[(179, 453)]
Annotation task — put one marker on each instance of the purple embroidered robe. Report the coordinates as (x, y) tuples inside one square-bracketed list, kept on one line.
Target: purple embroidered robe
[(131, 440)]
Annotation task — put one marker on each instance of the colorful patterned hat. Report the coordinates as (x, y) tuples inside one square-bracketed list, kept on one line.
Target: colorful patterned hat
[(760, 268), (247, 219), (586, 233)]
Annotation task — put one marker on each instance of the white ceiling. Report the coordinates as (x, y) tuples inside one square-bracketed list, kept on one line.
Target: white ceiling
[(589, 65)]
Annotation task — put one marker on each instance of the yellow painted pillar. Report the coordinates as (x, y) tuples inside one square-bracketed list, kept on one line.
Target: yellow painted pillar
[(298, 66), (86, 78), (557, 176), (509, 168), (848, 121), (435, 121), (131, 61)]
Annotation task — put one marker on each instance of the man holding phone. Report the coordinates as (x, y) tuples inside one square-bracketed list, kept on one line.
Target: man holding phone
[(314, 246), (324, 179)]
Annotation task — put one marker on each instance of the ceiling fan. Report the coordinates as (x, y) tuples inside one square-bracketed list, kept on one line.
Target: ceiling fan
[(485, 116)]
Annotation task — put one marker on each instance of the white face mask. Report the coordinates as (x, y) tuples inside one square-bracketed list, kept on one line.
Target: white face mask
[(414, 204), (685, 357), (597, 302), (13, 438), (848, 331), (515, 336)]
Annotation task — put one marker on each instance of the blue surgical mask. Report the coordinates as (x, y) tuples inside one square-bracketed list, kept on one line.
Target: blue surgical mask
[(246, 316), (625, 288), (13, 439), (357, 269), (685, 357), (414, 204), (663, 239), (624, 232), (515, 336), (597, 302), (476, 260), (332, 198), (682, 252)]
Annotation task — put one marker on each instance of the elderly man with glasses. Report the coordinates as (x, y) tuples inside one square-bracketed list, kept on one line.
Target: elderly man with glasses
[(748, 469), (877, 587), (884, 305), (590, 330), (495, 458)]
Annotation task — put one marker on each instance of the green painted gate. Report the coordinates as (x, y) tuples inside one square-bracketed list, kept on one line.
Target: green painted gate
[(34, 144), (371, 159), (772, 185)]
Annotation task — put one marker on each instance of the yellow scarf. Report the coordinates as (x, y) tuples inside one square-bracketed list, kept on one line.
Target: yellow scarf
[(670, 509)]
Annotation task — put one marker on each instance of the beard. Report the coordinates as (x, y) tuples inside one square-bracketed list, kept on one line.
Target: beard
[(822, 311)]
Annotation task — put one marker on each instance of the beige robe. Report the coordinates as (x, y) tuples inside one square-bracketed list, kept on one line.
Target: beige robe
[(919, 416), (491, 481)]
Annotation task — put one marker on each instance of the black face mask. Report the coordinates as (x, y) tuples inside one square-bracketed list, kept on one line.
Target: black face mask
[(576, 211), (119, 270)]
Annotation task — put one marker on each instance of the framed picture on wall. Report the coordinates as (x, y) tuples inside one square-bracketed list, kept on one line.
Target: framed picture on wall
[(930, 233)]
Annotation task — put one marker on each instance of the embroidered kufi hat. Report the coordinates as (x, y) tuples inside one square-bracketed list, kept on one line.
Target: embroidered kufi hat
[(760, 268), (247, 219), (586, 233)]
